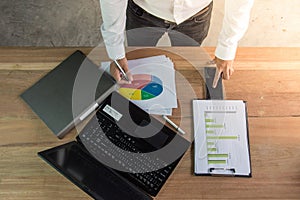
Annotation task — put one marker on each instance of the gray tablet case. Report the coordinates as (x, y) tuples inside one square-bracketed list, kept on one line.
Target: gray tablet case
[(52, 97)]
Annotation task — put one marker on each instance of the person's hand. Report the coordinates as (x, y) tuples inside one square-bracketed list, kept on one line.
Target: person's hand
[(224, 68), (115, 72)]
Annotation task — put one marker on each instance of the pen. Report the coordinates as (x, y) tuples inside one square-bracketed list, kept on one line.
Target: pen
[(121, 70), (173, 124)]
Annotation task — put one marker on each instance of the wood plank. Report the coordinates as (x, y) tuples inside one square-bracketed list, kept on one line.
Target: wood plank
[(277, 54), (247, 58), (23, 175), (273, 54), (23, 132), (35, 58), (265, 89)]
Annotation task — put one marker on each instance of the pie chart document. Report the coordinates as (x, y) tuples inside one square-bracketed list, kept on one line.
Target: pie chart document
[(153, 87), (143, 87)]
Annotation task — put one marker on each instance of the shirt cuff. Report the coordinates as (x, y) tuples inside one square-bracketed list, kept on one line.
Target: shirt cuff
[(225, 52), (115, 52)]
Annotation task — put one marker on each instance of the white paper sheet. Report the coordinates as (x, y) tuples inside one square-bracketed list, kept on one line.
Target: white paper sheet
[(221, 137), (162, 69)]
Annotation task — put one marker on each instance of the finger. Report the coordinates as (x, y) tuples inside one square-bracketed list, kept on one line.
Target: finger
[(226, 74), (211, 62), (123, 81), (231, 70), (123, 64), (130, 77), (115, 72), (216, 78)]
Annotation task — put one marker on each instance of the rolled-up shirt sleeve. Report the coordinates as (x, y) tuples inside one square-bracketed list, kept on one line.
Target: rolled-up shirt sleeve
[(235, 24), (113, 27)]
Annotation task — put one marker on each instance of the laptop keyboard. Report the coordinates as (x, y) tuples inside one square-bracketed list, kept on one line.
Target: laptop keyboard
[(106, 141)]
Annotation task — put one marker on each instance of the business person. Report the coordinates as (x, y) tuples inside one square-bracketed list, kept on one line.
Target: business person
[(147, 20)]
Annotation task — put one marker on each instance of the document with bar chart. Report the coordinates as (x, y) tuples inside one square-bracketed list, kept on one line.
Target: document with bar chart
[(221, 138)]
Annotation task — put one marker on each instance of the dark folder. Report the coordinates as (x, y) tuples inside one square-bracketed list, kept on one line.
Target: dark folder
[(52, 97)]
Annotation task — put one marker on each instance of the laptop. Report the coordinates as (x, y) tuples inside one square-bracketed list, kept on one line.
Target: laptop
[(121, 153)]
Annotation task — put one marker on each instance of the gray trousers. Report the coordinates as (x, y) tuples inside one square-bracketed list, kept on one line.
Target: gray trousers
[(144, 29)]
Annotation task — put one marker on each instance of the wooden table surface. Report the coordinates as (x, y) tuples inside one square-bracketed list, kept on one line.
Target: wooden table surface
[(267, 78)]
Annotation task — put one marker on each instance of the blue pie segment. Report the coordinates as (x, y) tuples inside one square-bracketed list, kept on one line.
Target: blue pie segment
[(153, 88)]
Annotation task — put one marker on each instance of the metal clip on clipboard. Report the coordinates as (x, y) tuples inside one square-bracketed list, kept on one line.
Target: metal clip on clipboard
[(222, 171)]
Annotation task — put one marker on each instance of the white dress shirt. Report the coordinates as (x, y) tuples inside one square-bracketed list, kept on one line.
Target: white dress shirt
[(235, 22)]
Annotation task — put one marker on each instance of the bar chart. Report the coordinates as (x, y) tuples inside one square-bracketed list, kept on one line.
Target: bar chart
[(217, 135)]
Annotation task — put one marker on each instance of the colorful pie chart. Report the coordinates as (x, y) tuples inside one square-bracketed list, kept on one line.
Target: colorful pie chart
[(143, 87)]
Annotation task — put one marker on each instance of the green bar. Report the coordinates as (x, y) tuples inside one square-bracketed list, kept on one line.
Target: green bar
[(211, 149), (217, 162), (210, 143), (210, 131), (234, 137), (217, 155), (209, 120), (214, 125)]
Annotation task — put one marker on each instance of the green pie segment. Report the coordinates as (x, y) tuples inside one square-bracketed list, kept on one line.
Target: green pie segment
[(143, 87), (146, 95)]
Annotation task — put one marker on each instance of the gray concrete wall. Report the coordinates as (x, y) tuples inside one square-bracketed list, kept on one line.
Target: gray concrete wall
[(76, 23), (272, 23), (49, 22)]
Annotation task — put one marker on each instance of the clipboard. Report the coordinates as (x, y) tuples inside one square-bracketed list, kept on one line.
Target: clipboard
[(221, 138)]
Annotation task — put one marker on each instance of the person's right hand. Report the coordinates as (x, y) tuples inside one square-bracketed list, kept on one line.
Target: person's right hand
[(115, 72), (224, 68)]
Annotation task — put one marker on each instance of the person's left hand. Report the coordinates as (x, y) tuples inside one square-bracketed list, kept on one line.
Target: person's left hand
[(224, 67)]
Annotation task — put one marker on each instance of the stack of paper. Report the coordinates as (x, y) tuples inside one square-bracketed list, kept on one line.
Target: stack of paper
[(153, 86)]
